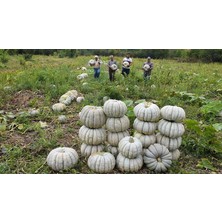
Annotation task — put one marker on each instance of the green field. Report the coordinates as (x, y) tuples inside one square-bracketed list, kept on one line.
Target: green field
[(38, 83)]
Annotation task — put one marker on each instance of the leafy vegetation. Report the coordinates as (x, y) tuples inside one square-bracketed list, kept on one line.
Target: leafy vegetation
[(38, 82)]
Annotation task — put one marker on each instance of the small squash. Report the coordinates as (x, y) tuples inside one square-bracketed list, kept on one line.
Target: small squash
[(130, 147), (146, 111), (65, 99), (157, 157), (175, 154), (73, 94), (171, 143), (87, 150), (62, 158), (146, 128), (114, 138), (101, 162), (146, 140), (116, 125), (62, 119), (173, 113), (58, 107), (125, 164), (92, 117), (92, 136), (115, 108), (79, 99), (171, 129), (112, 149)]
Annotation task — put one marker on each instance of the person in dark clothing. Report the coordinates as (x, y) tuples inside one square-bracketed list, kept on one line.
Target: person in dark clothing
[(147, 68), (112, 65), (127, 61)]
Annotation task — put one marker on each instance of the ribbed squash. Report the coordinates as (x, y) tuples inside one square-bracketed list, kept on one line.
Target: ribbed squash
[(146, 128), (92, 117), (92, 136), (87, 150), (171, 129), (146, 140), (116, 125), (62, 158), (173, 113), (146, 111), (101, 162), (157, 157), (114, 138), (114, 108)]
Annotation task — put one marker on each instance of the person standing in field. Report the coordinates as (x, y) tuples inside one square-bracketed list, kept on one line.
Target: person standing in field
[(112, 65), (96, 67), (127, 62), (147, 68)]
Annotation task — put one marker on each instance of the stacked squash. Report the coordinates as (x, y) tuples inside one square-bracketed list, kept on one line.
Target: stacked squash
[(92, 133), (129, 158), (171, 129), (117, 123), (147, 114)]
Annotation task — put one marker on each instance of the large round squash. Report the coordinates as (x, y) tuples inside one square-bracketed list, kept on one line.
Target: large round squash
[(146, 128), (171, 129), (114, 138), (130, 147), (92, 117), (92, 136), (171, 143), (101, 162), (87, 150), (116, 125), (146, 111), (114, 108), (157, 157), (62, 158), (173, 113), (146, 140), (125, 164)]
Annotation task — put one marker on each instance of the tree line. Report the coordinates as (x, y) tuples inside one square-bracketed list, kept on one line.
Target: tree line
[(186, 55)]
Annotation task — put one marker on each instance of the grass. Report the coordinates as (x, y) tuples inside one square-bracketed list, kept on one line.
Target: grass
[(40, 82)]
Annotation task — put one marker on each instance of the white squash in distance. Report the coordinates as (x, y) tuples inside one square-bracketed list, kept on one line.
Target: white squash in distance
[(65, 99), (147, 111), (62, 119), (146, 140), (125, 164), (116, 125), (92, 116), (171, 143), (58, 107), (73, 94), (114, 138), (157, 157), (62, 158), (171, 129), (173, 113), (79, 99), (147, 128), (114, 108), (130, 147), (101, 162), (92, 136), (87, 150)]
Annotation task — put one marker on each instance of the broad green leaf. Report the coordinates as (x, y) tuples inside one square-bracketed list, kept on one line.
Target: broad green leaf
[(217, 126), (128, 102), (205, 164), (20, 126), (140, 101), (2, 127)]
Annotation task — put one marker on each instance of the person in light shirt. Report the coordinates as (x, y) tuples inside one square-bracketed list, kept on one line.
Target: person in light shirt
[(126, 69), (96, 67)]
